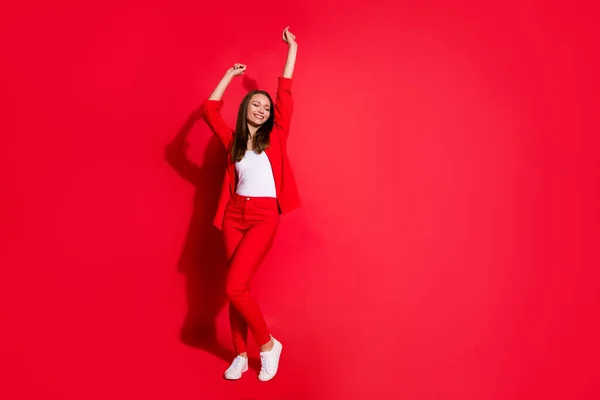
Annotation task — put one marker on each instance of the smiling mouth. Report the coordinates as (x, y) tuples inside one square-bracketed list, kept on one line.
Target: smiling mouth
[(259, 116)]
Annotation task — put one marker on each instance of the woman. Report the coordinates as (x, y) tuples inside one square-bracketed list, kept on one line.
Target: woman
[(258, 186)]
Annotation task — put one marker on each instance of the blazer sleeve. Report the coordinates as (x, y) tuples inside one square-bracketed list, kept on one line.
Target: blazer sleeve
[(284, 104), (214, 119)]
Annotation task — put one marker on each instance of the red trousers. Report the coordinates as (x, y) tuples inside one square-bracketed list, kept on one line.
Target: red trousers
[(249, 227)]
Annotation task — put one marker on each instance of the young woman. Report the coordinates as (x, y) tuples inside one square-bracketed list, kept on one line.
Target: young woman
[(258, 186)]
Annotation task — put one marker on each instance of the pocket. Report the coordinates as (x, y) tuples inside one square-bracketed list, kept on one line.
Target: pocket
[(233, 207), (266, 203)]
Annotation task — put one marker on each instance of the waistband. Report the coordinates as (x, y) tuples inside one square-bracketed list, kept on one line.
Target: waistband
[(236, 198)]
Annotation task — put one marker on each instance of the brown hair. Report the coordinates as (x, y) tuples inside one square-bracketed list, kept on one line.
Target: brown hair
[(241, 135)]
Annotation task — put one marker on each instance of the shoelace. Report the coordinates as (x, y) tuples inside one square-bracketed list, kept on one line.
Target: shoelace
[(235, 363), (264, 361)]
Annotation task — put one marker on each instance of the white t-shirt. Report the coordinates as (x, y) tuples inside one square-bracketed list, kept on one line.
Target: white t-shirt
[(255, 175)]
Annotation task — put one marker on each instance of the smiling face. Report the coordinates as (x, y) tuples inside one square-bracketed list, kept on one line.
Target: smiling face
[(255, 121), (259, 110)]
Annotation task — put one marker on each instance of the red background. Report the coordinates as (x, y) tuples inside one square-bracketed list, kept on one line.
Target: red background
[(447, 161)]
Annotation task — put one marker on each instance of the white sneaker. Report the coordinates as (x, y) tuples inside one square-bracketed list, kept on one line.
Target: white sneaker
[(269, 361), (237, 368)]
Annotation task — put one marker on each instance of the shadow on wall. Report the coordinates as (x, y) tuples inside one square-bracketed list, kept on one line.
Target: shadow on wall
[(203, 260), (249, 83)]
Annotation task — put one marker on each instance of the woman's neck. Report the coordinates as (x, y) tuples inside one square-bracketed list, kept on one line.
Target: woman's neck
[(252, 130)]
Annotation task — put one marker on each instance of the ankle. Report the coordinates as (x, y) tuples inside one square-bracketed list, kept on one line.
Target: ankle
[(245, 355), (268, 346)]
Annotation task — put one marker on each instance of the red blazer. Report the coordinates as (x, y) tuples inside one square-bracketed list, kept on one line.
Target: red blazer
[(288, 198)]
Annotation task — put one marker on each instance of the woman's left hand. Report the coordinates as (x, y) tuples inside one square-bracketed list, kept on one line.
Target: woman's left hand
[(288, 37)]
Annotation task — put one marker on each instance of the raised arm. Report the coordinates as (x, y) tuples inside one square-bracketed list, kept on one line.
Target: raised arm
[(290, 39), (284, 103), (212, 106)]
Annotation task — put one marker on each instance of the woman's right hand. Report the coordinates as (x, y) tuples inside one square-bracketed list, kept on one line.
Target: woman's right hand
[(237, 69)]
